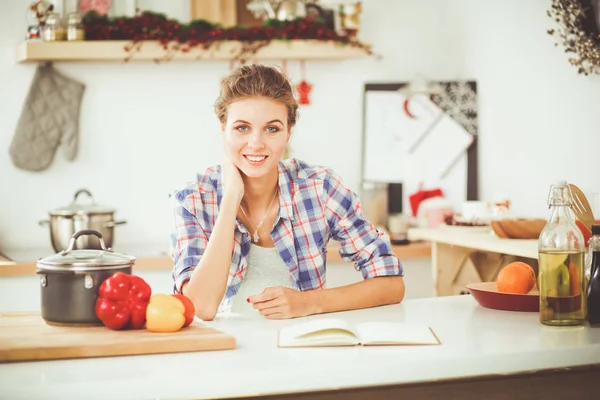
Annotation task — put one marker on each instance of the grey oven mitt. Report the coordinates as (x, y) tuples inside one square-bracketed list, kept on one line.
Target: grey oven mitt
[(50, 117)]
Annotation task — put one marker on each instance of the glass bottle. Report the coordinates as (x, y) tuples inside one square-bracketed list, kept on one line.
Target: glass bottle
[(561, 257), (593, 288), (75, 27), (53, 28)]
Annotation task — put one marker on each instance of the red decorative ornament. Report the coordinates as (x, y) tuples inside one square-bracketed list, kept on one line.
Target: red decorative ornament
[(304, 88)]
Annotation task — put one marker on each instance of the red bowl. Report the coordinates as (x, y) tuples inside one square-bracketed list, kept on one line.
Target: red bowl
[(488, 296)]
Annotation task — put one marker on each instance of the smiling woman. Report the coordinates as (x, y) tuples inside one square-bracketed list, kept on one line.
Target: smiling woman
[(251, 234)]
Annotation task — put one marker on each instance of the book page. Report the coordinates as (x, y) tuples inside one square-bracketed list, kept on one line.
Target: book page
[(379, 333), (319, 332)]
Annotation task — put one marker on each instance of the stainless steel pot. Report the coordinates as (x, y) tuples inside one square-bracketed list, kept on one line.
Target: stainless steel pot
[(69, 281), (77, 216)]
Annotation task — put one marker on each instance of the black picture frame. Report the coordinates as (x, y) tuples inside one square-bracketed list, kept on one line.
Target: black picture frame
[(472, 151)]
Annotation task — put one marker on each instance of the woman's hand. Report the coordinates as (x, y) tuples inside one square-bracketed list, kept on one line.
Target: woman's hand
[(281, 302), (232, 180)]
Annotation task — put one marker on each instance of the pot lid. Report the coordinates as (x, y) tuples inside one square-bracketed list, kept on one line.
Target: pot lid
[(85, 259), (89, 207)]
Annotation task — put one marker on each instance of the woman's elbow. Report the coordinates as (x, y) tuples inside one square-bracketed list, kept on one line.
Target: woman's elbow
[(203, 309), (206, 315), (397, 289)]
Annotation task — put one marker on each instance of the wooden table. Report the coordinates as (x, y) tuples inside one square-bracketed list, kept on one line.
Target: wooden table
[(463, 255), (484, 354)]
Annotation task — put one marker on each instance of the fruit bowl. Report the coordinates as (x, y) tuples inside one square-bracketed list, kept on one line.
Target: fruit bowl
[(518, 228), (488, 296)]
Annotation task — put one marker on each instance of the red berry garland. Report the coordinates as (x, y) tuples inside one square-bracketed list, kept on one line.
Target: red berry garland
[(152, 26)]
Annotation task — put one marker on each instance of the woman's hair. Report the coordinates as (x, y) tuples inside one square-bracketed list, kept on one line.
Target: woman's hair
[(256, 81)]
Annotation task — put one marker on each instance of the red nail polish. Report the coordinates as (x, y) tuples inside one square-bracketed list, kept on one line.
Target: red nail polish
[(247, 299)]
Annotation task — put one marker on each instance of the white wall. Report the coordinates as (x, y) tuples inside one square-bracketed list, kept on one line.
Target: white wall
[(145, 129)]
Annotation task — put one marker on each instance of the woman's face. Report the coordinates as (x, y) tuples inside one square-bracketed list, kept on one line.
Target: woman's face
[(256, 133)]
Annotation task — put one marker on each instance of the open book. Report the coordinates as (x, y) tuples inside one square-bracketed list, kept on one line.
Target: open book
[(337, 332)]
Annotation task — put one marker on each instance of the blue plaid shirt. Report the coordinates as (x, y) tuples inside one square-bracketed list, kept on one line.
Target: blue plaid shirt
[(314, 206)]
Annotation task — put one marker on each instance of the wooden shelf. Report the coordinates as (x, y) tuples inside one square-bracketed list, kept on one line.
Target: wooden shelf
[(114, 50)]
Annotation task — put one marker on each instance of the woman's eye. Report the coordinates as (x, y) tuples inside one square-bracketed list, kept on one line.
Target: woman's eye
[(272, 129), (241, 128)]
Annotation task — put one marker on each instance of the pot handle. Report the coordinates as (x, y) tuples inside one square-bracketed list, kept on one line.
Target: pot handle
[(80, 191), (81, 233), (112, 224), (44, 222)]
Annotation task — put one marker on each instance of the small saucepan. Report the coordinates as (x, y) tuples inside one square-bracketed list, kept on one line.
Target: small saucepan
[(69, 281), (65, 221)]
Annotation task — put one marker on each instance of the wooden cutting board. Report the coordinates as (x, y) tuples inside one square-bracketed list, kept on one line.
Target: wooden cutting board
[(25, 336)]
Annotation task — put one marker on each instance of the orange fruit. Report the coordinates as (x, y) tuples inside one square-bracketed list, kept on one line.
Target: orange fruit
[(529, 270), (517, 278)]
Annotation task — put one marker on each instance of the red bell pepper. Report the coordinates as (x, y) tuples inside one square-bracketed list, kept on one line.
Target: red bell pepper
[(122, 301)]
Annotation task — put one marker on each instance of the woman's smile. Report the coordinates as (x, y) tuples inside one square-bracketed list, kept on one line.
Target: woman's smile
[(255, 160)]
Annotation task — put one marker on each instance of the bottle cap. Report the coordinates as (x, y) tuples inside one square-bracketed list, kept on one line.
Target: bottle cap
[(595, 229), (561, 183)]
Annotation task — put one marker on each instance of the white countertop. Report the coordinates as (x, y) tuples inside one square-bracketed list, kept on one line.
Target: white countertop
[(475, 342), (32, 254), (476, 239)]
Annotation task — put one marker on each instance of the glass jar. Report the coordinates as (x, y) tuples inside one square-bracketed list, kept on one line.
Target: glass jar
[(53, 29), (75, 27), (561, 279)]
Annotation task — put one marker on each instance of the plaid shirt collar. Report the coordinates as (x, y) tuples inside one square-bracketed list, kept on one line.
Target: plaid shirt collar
[(285, 190)]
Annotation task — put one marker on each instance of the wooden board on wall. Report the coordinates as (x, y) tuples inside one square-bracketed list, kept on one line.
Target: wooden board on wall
[(244, 16), (223, 12)]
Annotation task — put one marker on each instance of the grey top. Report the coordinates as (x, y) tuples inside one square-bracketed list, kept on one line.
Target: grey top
[(265, 269)]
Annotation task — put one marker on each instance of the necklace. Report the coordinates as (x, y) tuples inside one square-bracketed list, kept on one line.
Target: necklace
[(255, 236)]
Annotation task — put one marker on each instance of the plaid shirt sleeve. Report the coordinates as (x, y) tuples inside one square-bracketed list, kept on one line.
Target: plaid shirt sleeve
[(361, 243), (188, 241)]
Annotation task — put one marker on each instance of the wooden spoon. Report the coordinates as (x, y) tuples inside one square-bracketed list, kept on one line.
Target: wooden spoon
[(581, 206)]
